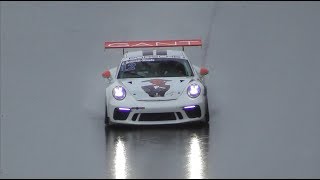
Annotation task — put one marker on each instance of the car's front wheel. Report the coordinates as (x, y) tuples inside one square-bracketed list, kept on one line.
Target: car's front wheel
[(207, 115), (106, 118)]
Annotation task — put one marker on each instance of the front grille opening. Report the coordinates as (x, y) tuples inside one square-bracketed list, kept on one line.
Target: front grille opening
[(134, 117), (120, 115), (179, 115), (194, 112), (157, 116)]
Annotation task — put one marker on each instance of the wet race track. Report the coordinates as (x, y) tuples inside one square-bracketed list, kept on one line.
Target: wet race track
[(153, 152), (263, 90)]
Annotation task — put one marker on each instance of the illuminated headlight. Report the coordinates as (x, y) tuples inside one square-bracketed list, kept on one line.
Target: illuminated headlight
[(194, 90), (119, 93)]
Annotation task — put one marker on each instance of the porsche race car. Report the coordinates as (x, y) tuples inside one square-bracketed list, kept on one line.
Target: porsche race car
[(155, 87)]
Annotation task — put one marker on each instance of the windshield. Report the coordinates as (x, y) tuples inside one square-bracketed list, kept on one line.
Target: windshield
[(155, 67)]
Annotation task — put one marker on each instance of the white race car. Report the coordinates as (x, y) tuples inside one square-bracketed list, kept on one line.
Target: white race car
[(155, 87)]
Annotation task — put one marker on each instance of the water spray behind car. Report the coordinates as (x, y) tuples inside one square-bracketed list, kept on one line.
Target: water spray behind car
[(208, 38)]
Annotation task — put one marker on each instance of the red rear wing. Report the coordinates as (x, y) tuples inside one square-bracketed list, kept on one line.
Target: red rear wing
[(146, 44)]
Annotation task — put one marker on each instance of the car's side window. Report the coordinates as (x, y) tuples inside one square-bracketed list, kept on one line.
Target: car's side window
[(188, 69)]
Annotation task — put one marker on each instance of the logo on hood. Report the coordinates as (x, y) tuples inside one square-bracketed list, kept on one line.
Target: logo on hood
[(157, 88)]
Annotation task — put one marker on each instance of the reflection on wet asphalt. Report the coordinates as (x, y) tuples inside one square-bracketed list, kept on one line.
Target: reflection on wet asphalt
[(158, 152)]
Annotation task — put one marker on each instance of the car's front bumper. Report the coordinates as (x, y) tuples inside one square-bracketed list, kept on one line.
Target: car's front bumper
[(156, 112)]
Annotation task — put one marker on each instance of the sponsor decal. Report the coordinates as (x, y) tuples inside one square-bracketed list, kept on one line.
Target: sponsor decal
[(165, 43), (157, 88)]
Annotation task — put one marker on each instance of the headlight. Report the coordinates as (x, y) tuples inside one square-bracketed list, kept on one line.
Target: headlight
[(193, 90), (119, 93)]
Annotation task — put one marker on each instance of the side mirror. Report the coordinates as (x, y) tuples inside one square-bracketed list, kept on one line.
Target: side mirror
[(106, 74), (204, 71)]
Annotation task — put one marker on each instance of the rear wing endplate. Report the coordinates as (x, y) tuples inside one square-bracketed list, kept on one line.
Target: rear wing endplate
[(148, 44)]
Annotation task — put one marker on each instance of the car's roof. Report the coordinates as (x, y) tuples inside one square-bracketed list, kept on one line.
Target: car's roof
[(154, 53)]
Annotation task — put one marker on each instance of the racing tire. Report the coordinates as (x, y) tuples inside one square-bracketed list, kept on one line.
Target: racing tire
[(207, 115), (107, 119)]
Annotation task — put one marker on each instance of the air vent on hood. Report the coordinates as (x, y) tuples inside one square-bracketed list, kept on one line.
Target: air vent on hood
[(161, 52), (147, 53)]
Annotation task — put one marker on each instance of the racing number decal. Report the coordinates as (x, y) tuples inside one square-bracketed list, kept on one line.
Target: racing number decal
[(128, 67), (131, 66)]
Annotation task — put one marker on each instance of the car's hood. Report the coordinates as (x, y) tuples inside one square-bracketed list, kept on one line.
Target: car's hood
[(147, 89)]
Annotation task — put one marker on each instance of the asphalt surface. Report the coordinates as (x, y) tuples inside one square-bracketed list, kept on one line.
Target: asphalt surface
[(263, 90)]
